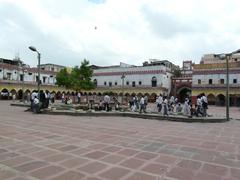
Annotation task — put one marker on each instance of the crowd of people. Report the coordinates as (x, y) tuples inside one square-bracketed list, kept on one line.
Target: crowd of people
[(163, 104), (167, 105), (41, 101)]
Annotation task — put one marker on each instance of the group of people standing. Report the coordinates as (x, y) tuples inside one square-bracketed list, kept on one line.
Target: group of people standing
[(165, 106), (139, 104), (41, 101)]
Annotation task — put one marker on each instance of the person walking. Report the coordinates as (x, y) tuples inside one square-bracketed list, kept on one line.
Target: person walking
[(145, 104), (142, 104), (106, 100), (79, 97), (160, 103), (186, 108), (204, 104), (165, 107)]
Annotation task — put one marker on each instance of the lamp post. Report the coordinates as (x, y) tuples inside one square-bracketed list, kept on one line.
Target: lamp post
[(227, 58), (122, 77), (39, 57)]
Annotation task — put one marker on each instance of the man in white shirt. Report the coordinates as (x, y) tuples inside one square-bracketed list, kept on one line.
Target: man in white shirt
[(204, 104), (106, 100), (79, 97), (160, 102), (142, 105)]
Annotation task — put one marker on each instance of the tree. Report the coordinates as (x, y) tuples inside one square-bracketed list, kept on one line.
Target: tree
[(63, 78), (177, 73), (85, 76), (79, 78)]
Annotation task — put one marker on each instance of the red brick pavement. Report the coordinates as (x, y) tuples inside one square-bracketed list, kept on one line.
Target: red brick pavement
[(91, 148)]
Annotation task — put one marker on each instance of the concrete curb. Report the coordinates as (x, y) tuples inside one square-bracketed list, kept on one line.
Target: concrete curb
[(20, 105), (137, 115)]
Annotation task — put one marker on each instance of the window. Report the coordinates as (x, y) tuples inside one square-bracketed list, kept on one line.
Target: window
[(29, 74), (115, 83), (140, 83), (199, 81), (52, 69), (110, 84), (154, 81), (133, 84), (127, 83), (105, 83), (21, 77), (234, 81), (221, 81), (210, 81), (95, 82), (44, 79), (36, 78), (0, 70)]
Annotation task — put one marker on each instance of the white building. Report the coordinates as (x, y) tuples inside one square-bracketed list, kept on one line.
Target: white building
[(155, 75)]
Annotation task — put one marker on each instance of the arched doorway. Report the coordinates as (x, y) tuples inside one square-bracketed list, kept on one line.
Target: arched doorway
[(211, 99), (152, 98), (20, 94), (232, 100), (238, 102), (4, 94), (14, 93), (184, 92), (220, 100)]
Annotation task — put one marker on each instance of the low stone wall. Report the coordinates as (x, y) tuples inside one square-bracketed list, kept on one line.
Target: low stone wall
[(137, 115)]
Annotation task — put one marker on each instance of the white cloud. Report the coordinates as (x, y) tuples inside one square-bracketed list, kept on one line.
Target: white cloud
[(128, 30)]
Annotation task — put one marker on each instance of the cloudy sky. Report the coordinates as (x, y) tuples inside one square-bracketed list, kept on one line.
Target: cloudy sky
[(107, 32)]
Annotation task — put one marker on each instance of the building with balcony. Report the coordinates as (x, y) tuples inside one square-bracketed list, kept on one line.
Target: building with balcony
[(18, 78), (51, 67), (182, 81), (209, 77), (151, 79)]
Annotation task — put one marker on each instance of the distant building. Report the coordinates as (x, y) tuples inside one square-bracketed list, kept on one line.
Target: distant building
[(152, 78), (17, 77), (209, 77), (51, 67), (182, 81)]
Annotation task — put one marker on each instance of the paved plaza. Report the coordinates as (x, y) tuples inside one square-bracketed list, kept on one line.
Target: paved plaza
[(93, 148)]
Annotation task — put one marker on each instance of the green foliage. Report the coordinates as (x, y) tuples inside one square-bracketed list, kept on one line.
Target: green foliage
[(63, 78), (177, 73), (79, 78)]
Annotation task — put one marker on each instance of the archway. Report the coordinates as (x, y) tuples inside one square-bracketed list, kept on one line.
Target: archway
[(139, 95), (146, 94), (19, 94), (220, 100), (13, 91), (4, 94), (211, 99), (133, 94), (232, 100), (182, 93), (152, 98), (238, 102)]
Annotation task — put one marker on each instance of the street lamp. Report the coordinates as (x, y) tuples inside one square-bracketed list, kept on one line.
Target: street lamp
[(227, 58), (39, 57), (122, 77)]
